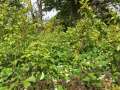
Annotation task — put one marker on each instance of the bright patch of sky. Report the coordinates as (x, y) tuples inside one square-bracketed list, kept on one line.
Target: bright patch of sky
[(115, 7), (46, 15), (52, 13)]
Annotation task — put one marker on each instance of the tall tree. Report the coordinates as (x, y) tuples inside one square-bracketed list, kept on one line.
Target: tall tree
[(67, 9)]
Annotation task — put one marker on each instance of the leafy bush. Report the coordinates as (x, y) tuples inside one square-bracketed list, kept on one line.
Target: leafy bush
[(90, 51)]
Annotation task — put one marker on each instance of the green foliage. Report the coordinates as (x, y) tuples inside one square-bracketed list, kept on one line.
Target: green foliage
[(90, 50)]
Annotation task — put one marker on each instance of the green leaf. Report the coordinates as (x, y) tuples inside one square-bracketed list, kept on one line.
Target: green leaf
[(118, 48), (31, 79), (42, 76), (4, 88), (26, 84)]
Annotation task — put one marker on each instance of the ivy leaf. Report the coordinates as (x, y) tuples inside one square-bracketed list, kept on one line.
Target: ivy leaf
[(26, 84), (28, 81), (31, 79)]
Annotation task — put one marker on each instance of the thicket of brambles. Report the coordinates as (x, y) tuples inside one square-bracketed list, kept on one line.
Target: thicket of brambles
[(83, 55)]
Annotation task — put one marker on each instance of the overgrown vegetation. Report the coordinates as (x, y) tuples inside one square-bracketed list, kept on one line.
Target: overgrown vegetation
[(86, 56)]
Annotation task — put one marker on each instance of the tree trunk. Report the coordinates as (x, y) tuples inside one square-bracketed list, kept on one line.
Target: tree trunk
[(39, 4)]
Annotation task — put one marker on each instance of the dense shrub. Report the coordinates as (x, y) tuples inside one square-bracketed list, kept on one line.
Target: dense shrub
[(89, 51)]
